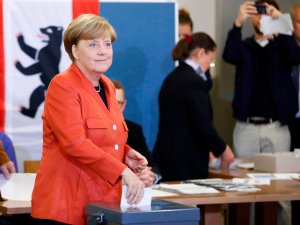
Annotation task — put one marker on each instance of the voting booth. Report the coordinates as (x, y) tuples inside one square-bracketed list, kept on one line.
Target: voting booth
[(159, 213)]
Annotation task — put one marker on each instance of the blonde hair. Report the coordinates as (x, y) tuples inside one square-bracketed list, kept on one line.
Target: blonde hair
[(86, 27)]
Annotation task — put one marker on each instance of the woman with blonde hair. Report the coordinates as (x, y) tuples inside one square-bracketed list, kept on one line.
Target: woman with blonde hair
[(85, 156)]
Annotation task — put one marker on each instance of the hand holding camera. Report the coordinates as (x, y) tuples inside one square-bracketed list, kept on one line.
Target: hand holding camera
[(267, 9), (261, 8), (246, 9), (250, 8), (272, 11)]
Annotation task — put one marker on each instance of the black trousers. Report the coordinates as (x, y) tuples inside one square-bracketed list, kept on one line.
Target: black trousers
[(16, 219), (295, 212), (294, 127), (295, 143)]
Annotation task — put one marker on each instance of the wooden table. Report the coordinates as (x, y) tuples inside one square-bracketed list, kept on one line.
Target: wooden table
[(15, 207), (239, 203), (212, 205)]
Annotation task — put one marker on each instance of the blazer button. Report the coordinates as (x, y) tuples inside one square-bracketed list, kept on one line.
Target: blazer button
[(114, 127), (116, 147)]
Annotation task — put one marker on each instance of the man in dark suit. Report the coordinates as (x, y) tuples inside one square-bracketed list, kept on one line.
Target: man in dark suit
[(264, 101), (136, 140), (295, 124)]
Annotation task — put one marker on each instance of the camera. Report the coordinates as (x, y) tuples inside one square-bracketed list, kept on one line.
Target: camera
[(261, 8)]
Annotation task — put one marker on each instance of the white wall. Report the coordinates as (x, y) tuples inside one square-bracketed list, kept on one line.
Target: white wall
[(203, 13), (204, 16)]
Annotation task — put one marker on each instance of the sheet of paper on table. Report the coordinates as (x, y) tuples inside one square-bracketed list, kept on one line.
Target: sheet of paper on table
[(18, 187), (159, 193), (187, 189), (246, 165), (216, 164), (227, 185), (251, 181), (272, 176)]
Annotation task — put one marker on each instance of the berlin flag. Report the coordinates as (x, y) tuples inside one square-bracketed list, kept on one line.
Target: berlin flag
[(31, 53)]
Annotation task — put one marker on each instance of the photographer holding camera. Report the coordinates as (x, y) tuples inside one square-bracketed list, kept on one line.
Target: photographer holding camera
[(264, 100)]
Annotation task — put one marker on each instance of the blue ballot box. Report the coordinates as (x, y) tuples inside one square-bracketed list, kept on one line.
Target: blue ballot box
[(159, 213)]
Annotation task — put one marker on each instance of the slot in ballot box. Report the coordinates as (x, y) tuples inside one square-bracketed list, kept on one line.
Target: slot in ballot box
[(159, 213)]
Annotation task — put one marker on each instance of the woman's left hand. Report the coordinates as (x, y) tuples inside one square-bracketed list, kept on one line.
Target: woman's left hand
[(135, 161)]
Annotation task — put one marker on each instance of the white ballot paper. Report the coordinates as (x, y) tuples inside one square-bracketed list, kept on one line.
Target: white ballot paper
[(18, 187), (144, 204), (272, 176), (251, 181), (158, 193), (187, 188), (282, 25), (216, 164)]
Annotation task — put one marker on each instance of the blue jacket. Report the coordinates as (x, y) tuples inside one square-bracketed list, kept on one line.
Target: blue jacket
[(283, 54)]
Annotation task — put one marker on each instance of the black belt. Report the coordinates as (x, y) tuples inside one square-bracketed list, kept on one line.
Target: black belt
[(259, 120)]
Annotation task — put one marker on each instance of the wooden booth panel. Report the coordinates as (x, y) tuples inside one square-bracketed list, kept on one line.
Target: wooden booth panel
[(31, 166)]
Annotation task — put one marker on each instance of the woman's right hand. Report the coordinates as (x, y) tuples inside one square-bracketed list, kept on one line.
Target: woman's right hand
[(135, 187)]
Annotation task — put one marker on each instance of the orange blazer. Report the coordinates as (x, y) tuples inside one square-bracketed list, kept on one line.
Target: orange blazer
[(84, 144)]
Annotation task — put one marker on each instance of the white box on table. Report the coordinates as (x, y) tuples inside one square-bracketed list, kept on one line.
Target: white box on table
[(280, 162)]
